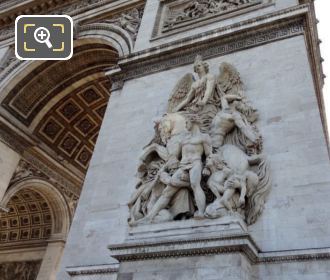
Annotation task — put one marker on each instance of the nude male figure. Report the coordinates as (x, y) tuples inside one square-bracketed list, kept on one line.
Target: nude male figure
[(226, 120), (193, 146)]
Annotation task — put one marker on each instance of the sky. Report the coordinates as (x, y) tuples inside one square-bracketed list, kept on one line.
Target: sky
[(322, 8)]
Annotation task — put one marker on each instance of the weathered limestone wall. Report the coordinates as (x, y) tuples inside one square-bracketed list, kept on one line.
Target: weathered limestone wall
[(308, 270), (279, 83), (227, 266)]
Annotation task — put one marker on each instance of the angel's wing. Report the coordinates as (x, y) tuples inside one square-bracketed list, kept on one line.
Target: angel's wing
[(229, 81), (180, 91)]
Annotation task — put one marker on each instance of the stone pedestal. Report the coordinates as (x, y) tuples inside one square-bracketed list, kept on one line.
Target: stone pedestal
[(207, 249)]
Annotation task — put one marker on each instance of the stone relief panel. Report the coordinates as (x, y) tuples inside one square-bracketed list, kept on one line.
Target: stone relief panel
[(129, 21), (176, 15), (205, 160), (20, 270)]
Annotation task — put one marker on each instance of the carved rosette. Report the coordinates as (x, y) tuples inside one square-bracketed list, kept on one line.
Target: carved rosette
[(206, 159)]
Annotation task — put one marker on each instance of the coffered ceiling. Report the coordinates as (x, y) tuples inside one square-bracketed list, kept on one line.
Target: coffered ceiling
[(61, 104)]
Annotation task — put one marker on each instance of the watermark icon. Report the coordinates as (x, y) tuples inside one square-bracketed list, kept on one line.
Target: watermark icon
[(44, 37)]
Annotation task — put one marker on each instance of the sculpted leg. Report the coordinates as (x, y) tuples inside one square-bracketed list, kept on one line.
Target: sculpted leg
[(214, 188), (195, 174), (225, 200), (162, 202)]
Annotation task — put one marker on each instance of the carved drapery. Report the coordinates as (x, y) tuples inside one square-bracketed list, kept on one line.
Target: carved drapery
[(206, 159)]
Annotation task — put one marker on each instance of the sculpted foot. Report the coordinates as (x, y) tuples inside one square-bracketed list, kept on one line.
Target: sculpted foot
[(199, 215)]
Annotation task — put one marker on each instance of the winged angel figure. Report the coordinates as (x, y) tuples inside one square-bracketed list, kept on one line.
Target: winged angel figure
[(206, 159)]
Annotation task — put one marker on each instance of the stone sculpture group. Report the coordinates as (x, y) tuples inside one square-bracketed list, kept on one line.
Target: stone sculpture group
[(205, 160)]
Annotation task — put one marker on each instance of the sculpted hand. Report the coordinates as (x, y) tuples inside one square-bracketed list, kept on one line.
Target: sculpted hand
[(206, 172), (241, 201)]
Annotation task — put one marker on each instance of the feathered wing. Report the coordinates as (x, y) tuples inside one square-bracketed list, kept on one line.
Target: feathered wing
[(257, 197), (229, 81), (180, 91)]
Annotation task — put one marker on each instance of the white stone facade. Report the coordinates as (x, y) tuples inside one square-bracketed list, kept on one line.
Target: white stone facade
[(274, 47), (279, 82)]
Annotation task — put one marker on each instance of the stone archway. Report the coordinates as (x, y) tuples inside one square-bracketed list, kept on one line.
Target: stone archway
[(33, 232), (60, 107)]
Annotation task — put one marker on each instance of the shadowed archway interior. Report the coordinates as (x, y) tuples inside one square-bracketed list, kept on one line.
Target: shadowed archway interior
[(62, 103)]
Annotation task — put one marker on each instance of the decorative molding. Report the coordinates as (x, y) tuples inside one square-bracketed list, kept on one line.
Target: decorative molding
[(221, 243), (75, 8), (13, 140), (12, 9), (190, 245), (133, 67), (93, 269), (295, 256)]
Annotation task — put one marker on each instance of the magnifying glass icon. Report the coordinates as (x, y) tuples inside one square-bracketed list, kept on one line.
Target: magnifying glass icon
[(41, 35)]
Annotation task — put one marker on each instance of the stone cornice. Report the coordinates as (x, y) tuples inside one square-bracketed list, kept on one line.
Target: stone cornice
[(206, 237), (294, 255), (264, 21), (93, 269), (234, 242), (222, 243), (236, 37), (12, 8)]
